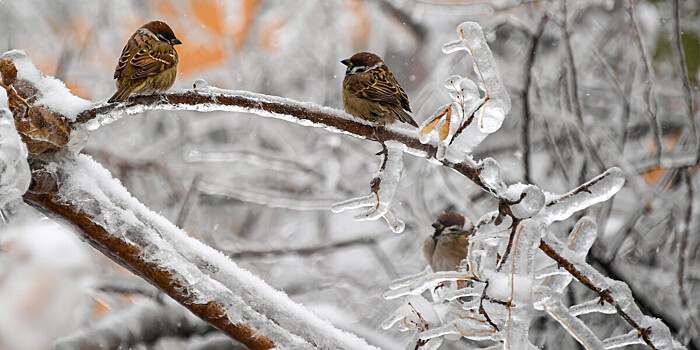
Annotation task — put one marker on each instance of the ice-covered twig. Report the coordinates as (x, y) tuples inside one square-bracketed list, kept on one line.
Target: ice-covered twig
[(383, 187), (653, 332), (207, 99), (469, 118), (597, 190), (142, 323)]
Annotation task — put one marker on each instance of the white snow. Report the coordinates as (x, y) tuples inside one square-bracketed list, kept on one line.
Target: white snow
[(53, 93), (207, 272), (14, 169)]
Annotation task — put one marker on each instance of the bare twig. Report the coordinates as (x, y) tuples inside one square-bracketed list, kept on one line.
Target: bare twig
[(650, 94), (684, 72), (527, 110), (682, 251)]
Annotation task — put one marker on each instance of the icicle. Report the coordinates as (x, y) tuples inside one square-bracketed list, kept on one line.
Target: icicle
[(384, 185)]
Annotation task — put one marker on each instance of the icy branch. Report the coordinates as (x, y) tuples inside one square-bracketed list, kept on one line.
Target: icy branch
[(383, 187), (199, 277), (469, 118), (653, 332)]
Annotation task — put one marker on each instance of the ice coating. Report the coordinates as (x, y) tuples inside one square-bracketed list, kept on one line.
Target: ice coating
[(574, 326), (630, 338), (424, 283), (520, 284), (245, 298), (489, 118), (490, 175), (465, 122), (14, 169), (379, 203), (660, 334), (527, 199), (597, 190), (580, 241), (591, 306), (53, 94)]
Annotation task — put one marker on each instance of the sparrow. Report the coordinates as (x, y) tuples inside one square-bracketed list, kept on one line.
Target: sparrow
[(148, 62), (446, 248), (371, 92)]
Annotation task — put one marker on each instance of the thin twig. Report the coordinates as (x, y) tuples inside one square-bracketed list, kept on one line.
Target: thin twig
[(527, 110), (684, 72), (682, 251), (650, 94)]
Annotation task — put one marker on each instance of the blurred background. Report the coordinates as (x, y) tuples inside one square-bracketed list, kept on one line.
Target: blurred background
[(259, 189)]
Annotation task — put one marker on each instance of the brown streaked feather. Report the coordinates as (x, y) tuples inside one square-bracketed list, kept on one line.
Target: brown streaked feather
[(152, 62), (380, 85)]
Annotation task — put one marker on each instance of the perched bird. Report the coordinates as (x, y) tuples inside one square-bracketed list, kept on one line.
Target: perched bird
[(148, 62), (446, 248), (371, 92)]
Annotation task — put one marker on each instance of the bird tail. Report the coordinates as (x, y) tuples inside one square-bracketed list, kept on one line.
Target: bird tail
[(121, 95), (405, 117)]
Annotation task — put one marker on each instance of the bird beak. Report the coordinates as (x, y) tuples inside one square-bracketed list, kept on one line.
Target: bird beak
[(175, 41), (438, 225), (346, 62)]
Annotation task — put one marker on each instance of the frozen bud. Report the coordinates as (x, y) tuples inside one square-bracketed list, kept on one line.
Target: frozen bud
[(490, 175), (200, 84), (527, 199)]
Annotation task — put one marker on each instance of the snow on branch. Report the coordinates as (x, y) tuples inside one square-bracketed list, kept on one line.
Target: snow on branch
[(14, 169), (199, 277)]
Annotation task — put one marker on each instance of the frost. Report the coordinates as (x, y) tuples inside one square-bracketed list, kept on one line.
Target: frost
[(14, 169), (383, 186), (53, 94)]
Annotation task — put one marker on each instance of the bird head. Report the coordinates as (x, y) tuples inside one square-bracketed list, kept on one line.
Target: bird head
[(162, 32), (451, 223), (361, 62)]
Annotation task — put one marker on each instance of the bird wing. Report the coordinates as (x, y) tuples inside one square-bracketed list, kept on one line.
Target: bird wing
[(380, 85), (123, 60), (152, 61)]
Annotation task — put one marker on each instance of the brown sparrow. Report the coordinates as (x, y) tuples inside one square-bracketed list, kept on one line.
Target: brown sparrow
[(446, 248), (371, 92), (148, 62)]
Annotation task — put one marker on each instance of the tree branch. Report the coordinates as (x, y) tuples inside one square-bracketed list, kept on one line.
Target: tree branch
[(307, 114)]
